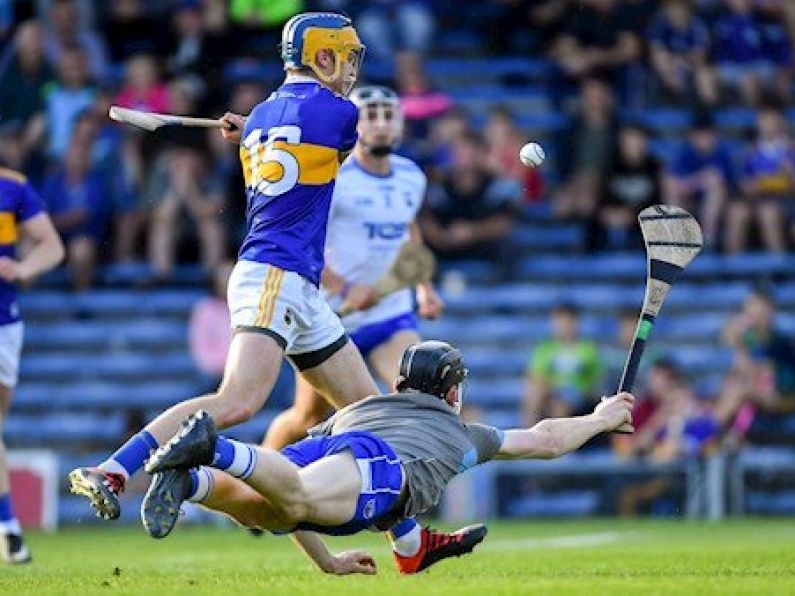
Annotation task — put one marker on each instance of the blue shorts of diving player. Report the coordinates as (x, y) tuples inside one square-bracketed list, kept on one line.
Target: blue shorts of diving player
[(382, 476), (369, 337)]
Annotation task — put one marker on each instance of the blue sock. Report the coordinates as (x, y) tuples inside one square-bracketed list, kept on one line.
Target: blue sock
[(404, 527), (130, 457), (202, 482), (6, 510), (8, 523), (234, 458)]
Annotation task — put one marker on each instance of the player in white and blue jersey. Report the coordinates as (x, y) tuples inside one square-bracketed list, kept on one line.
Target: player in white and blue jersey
[(22, 217)]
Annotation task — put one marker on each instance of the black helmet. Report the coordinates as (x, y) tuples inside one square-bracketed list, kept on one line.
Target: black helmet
[(431, 367)]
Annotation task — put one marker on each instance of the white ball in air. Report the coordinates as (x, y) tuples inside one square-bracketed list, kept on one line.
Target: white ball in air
[(532, 155)]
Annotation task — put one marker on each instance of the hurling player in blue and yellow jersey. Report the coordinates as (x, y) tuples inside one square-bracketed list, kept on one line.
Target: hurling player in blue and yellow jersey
[(290, 147), (22, 217)]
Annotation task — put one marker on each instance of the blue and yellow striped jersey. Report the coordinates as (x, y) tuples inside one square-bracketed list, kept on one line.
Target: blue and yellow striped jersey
[(290, 155), (18, 203)]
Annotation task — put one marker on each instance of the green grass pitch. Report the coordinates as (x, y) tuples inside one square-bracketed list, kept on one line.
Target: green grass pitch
[(555, 557)]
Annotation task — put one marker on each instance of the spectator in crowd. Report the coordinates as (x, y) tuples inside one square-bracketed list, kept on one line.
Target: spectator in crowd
[(209, 332), (471, 211), (420, 102), (108, 160), (70, 96), (245, 97), (392, 27), (750, 56), (777, 50), (12, 146), (679, 46), (543, 19), (632, 184), (670, 423), (445, 130), (565, 372), (183, 183), (598, 40), (25, 75), (258, 23), (504, 141), (143, 89), (68, 30), (130, 29), (702, 177), (587, 151), (768, 186), (763, 377), (195, 49), (76, 198)]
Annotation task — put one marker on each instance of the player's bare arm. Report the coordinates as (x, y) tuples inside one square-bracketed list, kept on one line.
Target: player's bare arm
[(46, 251), (344, 563), (554, 437)]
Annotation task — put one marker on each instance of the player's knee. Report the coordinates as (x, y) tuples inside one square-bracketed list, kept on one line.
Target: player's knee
[(235, 406), (232, 414)]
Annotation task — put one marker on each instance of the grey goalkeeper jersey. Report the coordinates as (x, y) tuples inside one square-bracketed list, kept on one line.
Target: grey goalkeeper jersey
[(427, 436)]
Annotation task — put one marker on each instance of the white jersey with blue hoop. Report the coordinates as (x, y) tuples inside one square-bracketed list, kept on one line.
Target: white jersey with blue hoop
[(370, 219)]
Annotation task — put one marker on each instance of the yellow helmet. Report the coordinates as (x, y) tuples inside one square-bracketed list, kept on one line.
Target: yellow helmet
[(307, 33)]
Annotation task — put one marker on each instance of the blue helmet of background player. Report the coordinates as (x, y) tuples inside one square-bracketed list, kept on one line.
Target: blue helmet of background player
[(380, 118), (433, 367), (304, 35)]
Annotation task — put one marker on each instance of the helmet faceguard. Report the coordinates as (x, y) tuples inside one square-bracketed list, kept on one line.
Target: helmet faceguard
[(306, 34), (379, 111)]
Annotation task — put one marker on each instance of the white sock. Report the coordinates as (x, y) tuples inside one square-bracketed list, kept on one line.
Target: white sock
[(114, 467), (409, 544), (203, 482), (11, 526)]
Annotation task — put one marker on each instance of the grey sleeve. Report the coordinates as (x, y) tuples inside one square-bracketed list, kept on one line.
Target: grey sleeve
[(486, 439)]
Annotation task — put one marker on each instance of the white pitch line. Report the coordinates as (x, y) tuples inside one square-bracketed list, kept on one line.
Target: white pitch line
[(574, 541)]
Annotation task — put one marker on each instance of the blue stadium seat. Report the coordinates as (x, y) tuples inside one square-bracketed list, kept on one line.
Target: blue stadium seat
[(80, 335), (665, 149), (124, 365), (697, 360), (110, 302), (684, 327), (735, 118), (495, 363), (708, 296), (555, 504), (780, 502), (57, 429), (506, 393), (661, 120), (102, 395), (548, 237)]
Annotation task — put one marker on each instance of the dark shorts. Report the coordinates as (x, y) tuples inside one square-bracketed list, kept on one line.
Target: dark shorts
[(382, 476), (369, 337)]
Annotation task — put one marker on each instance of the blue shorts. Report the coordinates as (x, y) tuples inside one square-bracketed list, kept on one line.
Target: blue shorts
[(382, 476), (369, 337)]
